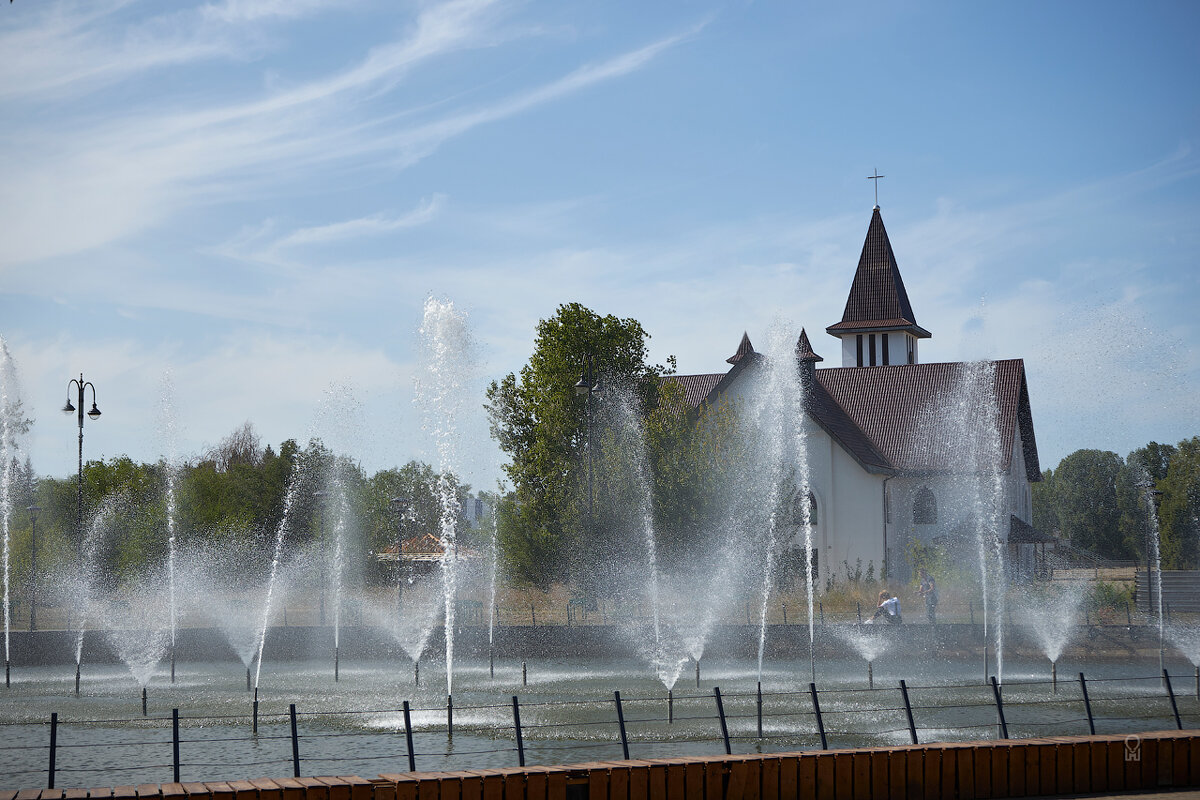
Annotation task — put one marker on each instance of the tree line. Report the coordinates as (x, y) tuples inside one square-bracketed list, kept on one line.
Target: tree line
[(234, 494), (1101, 502)]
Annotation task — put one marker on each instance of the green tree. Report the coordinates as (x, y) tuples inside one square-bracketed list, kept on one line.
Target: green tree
[(540, 422), (1083, 494), (1179, 512)]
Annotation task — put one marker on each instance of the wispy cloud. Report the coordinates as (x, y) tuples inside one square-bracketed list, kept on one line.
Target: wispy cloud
[(91, 184)]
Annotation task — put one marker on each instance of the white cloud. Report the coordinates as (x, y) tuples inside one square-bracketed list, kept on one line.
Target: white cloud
[(373, 225)]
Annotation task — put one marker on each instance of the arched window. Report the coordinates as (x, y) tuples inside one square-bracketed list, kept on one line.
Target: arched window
[(924, 507), (798, 510)]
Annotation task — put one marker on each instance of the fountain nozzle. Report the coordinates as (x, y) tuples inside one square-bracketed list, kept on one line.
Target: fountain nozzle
[(7, 675), (335, 664), (143, 701), (77, 679)]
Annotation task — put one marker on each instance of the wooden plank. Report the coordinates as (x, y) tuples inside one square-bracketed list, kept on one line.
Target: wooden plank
[(966, 773), (144, 791), (470, 787), (1194, 762), (1001, 753), (267, 789), (843, 774), (1098, 760), (789, 777), (1064, 768), (174, 791), (1116, 766), (914, 772), (897, 774), (68, 794), (1016, 770), (931, 778), (1179, 763), (383, 790), (514, 787), (1148, 775), (360, 788), (1081, 759), (949, 771), (714, 780), (493, 785), (120, 793), (1166, 761), (826, 775), (218, 790), (656, 782), (806, 776), (695, 780), (337, 789), (983, 771), (292, 789), (676, 782), (32, 794), (598, 784), (556, 786), (879, 774), (860, 767), (313, 789), (618, 781), (639, 780), (770, 779), (536, 782), (754, 770), (736, 788)]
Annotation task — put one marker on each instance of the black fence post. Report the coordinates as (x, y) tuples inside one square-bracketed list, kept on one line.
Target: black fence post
[(412, 757), (1087, 705), (53, 748), (759, 707), (1174, 705), (1000, 708), (721, 716), (175, 744), (621, 724), (812, 688), (517, 728), (295, 743), (912, 728)]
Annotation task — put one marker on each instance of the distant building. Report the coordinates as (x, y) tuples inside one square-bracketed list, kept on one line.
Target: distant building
[(885, 443)]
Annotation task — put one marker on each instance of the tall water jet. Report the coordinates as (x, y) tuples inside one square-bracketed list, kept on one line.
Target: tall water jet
[(10, 422), (495, 538), (79, 582), (442, 389), (1152, 499), (289, 503), (168, 422), (778, 419), (339, 555)]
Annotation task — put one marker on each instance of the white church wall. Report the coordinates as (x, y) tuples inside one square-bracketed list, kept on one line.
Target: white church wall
[(849, 351), (856, 502)]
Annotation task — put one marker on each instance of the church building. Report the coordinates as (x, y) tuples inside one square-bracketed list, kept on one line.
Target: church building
[(901, 453)]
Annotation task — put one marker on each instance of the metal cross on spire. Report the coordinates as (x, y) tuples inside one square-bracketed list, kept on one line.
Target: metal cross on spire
[(876, 178)]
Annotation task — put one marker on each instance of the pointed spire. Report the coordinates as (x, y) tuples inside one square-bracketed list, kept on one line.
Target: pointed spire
[(745, 348), (878, 300), (804, 351)]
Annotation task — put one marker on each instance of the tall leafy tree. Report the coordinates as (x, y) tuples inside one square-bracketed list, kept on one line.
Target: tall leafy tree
[(541, 423), (1084, 496)]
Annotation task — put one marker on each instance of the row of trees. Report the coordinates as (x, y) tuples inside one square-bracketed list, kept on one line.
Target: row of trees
[(233, 494), (1099, 502)]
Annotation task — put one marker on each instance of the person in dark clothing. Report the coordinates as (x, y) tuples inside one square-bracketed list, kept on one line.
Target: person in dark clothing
[(928, 590)]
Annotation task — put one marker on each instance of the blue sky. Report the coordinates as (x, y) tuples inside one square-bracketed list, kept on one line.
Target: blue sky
[(258, 196)]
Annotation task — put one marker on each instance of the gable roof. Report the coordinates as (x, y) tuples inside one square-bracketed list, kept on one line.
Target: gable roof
[(891, 419), (902, 408), (878, 300)]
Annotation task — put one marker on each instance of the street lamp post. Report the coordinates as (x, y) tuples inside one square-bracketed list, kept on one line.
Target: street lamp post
[(94, 414), (33, 514)]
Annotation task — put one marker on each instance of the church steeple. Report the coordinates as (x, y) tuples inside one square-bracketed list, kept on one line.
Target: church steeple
[(878, 326)]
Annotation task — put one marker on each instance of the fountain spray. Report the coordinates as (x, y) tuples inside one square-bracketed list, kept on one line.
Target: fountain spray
[(170, 430), (9, 407), (492, 593), (441, 392)]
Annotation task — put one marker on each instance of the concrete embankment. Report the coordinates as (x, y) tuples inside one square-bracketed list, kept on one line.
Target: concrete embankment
[(592, 642)]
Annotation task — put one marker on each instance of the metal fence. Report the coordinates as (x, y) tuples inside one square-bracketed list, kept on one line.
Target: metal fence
[(641, 727)]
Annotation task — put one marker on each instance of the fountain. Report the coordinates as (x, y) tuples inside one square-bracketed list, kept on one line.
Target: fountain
[(169, 423), (10, 423), (1186, 639), (1052, 617), (868, 642), (441, 392)]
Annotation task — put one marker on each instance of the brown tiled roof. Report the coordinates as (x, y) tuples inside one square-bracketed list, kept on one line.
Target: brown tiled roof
[(895, 405), (696, 387), (882, 415), (877, 297), (804, 351), (743, 348)]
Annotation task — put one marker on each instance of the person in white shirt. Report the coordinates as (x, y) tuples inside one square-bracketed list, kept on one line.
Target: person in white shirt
[(889, 608)]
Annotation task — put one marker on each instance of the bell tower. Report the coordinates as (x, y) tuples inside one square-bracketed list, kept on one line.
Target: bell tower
[(878, 327)]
